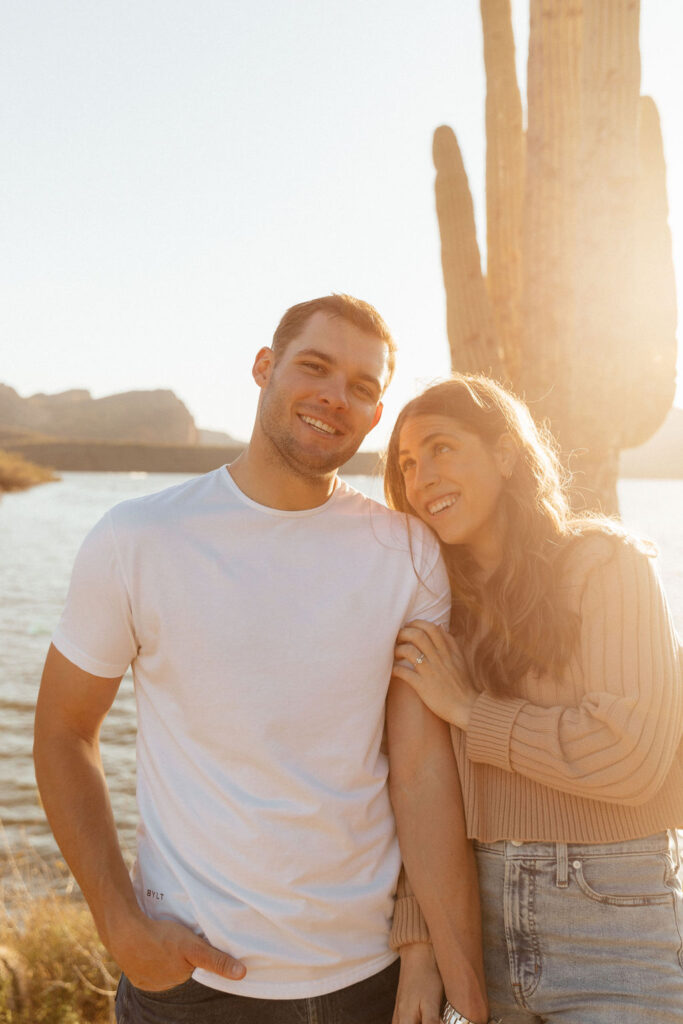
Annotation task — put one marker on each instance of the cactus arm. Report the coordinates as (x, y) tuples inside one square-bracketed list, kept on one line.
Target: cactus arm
[(651, 362), (471, 333)]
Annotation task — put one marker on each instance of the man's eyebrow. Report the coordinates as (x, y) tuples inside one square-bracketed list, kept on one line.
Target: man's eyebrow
[(325, 357), (318, 355)]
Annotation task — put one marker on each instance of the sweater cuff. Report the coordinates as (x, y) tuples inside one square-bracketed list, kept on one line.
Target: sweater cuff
[(490, 729), (408, 925)]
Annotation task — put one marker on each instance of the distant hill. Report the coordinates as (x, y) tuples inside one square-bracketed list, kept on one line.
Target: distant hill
[(217, 437), (661, 456), (146, 417), (154, 430), (129, 456)]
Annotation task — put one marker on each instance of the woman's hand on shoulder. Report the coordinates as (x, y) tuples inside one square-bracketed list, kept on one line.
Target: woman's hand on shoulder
[(429, 659), (420, 991)]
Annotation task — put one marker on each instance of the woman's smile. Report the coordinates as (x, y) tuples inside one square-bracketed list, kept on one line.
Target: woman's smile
[(434, 507)]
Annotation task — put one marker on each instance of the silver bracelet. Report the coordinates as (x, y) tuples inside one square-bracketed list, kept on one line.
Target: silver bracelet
[(449, 1015)]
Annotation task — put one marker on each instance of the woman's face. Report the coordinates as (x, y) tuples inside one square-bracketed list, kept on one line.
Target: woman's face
[(453, 481)]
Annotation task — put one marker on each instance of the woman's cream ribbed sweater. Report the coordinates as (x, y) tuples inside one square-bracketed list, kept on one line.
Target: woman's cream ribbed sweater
[(596, 754)]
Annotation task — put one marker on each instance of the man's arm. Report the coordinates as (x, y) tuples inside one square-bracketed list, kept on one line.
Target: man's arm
[(427, 801), (72, 705)]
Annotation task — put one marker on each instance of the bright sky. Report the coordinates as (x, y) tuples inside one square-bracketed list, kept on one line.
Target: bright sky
[(176, 173)]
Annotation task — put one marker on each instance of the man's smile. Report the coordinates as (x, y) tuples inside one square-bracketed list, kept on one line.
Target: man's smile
[(319, 425)]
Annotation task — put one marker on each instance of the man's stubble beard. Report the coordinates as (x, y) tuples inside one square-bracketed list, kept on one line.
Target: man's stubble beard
[(285, 448)]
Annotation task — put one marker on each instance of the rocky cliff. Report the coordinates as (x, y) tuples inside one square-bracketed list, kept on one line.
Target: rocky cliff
[(148, 417)]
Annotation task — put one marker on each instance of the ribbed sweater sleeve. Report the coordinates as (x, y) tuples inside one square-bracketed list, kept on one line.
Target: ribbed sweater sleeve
[(408, 924), (617, 739)]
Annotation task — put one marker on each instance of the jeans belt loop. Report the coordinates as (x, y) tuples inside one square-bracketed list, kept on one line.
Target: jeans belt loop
[(562, 865), (675, 847)]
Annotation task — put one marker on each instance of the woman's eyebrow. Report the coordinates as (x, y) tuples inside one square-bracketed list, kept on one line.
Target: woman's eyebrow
[(423, 441)]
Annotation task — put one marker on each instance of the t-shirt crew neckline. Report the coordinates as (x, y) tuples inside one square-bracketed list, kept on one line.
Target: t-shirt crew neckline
[(226, 477)]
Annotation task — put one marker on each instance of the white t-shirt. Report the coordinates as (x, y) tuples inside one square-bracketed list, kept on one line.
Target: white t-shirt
[(261, 643)]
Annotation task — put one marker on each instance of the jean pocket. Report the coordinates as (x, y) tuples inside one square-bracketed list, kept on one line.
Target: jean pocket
[(179, 992), (631, 880)]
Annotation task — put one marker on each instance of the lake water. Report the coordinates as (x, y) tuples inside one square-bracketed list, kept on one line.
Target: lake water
[(40, 532)]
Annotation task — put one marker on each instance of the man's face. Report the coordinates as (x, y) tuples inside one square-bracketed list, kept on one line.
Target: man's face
[(322, 396)]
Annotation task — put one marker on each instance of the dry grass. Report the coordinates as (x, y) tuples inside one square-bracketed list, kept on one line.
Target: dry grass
[(53, 967), (16, 474)]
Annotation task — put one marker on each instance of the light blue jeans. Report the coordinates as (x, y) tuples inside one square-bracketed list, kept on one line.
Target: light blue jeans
[(579, 934)]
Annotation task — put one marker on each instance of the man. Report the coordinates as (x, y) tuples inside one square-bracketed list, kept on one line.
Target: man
[(259, 606)]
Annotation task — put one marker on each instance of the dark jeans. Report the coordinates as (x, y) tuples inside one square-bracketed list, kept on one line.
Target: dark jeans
[(367, 1002)]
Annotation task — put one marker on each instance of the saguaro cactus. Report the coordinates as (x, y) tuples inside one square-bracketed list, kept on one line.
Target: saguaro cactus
[(577, 310)]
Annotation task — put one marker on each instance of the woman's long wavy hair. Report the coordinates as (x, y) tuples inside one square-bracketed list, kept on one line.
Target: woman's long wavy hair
[(526, 626)]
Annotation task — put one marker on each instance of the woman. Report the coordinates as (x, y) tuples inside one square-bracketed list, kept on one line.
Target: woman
[(561, 680)]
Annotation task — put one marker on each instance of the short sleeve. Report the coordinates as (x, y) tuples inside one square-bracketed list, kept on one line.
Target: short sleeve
[(96, 630), (432, 598)]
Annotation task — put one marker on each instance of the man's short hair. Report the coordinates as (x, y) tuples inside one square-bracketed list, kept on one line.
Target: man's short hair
[(357, 312)]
